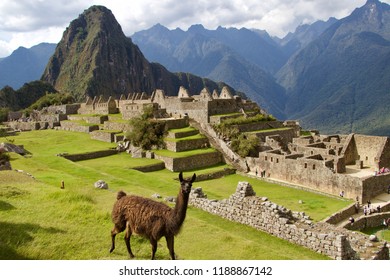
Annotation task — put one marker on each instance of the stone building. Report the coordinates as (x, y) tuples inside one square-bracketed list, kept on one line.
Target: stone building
[(354, 166)]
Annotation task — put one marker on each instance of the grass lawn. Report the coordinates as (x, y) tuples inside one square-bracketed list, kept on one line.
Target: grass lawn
[(38, 220)]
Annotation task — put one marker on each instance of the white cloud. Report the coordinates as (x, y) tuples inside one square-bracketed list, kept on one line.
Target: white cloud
[(29, 22)]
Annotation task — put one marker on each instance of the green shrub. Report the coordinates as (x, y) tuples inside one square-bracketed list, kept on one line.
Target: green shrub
[(4, 114), (245, 144), (4, 157), (146, 132), (52, 99)]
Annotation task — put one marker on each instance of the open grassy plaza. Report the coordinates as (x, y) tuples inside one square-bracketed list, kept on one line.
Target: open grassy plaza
[(39, 220)]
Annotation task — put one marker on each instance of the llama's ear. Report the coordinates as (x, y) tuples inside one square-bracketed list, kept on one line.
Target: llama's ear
[(181, 176), (193, 178)]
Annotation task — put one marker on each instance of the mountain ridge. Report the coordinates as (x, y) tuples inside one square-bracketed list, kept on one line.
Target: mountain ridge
[(338, 82)]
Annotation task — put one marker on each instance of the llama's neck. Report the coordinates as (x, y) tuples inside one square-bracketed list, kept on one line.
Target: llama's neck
[(180, 210)]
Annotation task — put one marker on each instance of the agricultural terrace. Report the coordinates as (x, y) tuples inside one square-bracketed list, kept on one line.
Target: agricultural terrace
[(39, 220)]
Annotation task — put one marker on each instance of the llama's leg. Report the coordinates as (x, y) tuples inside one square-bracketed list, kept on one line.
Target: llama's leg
[(127, 241), (170, 245), (153, 242), (114, 232)]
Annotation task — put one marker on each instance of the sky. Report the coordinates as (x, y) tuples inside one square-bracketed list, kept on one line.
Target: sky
[(30, 22)]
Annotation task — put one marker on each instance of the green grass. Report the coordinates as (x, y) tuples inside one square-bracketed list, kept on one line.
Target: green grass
[(193, 137), (184, 129), (168, 153), (38, 220)]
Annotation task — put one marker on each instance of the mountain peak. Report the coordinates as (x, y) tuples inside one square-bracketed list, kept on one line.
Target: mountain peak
[(92, 57), (196, 28)]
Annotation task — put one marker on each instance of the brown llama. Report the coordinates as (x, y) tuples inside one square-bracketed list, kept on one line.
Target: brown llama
[(150, 218)]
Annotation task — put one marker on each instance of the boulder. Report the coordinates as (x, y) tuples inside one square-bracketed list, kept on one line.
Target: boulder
[(101, 185)]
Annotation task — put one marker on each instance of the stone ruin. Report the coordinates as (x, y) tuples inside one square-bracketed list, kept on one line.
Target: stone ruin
[(258, 212)]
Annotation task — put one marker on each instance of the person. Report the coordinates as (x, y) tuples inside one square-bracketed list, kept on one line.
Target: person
[(378, 208), (352, 220), (365, 210), (342, 194), (357, 206), (368, 203), (256, 172)]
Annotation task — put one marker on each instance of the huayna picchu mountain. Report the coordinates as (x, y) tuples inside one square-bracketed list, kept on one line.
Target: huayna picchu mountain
[(95, 58)]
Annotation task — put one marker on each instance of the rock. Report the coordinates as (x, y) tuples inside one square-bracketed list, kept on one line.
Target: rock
[(101, 185), (170, 199), (156, 195), (373, 238), (9, 147)]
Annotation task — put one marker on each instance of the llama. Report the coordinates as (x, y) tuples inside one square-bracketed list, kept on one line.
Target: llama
[(150, 218)]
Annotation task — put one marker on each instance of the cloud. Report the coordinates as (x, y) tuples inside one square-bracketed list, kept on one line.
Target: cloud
[(27, 15), (24, 22)]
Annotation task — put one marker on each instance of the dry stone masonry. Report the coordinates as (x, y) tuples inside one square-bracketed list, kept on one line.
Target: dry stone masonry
[(258, 212)]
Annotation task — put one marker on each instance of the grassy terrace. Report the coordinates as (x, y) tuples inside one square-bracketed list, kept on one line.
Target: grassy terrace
[(82, 123), (270, 130), (193, 137), (38, 220), (171, 154), (184, 129)]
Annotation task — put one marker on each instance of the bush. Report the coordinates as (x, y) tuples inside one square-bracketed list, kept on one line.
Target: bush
[(4, 114), (146, 132), (4, 157), (245, 144), (52, 99)]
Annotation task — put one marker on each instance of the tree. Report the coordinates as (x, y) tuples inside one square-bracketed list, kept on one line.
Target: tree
[(146, 132)]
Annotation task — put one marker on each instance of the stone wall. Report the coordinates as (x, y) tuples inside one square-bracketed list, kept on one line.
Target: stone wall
[(371, 221), (215, 175), (264, 125), (197, 110), (118, 126), (27, 126), (89, 155), (89, 119), (150, 168), (312, 173), (369, 149), (341, 215), (286, 134), (66, 109), (73, 126), (191, 162), (186, 145), (374, 186), (173, 123), (260, 213), (105, 136)]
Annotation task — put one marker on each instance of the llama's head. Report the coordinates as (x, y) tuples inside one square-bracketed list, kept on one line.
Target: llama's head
[(186, 184)]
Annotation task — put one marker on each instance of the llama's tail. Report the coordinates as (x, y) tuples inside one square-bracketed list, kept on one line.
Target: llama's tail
[(120, 195)]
